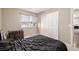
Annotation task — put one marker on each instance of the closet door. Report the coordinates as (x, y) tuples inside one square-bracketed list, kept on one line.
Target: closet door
[(49, 25)]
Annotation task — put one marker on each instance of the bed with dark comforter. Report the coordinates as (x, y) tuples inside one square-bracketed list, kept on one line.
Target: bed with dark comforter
[(36, 43), (39, 43)]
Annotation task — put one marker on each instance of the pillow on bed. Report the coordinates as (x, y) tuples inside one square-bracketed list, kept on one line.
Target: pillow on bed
[(0, 36)]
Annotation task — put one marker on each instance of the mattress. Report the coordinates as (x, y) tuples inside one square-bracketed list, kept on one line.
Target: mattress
[(39, 43)]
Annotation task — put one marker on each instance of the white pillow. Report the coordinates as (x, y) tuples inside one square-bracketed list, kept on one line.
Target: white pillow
[(3, 35), (0, 36)]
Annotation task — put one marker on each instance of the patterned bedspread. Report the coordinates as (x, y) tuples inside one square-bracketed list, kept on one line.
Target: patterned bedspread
[(39, 43)]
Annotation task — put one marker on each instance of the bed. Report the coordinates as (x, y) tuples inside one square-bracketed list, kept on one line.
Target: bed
[(38, 43)]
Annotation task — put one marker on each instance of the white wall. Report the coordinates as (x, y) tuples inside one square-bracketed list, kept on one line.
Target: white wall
[(11, 21), (49, 25), (64, 25), (0, 18)]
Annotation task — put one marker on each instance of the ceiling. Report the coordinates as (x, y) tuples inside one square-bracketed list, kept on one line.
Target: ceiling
[(35, 10)]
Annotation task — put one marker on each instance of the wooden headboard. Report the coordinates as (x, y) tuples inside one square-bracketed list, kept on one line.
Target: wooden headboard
[(19, 34)]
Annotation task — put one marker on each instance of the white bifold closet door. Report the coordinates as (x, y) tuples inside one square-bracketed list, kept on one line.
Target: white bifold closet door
[(49, 25)]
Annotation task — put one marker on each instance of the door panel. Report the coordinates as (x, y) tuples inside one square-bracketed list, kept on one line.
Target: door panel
[(49, 25)]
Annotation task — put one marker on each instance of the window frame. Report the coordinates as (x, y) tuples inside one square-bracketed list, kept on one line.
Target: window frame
[(28, 24)]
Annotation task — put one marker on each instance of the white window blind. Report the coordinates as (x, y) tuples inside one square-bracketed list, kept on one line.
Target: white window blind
[(28, 21)]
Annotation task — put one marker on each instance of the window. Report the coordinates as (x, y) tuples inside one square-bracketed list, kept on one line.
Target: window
[(28, 21)]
